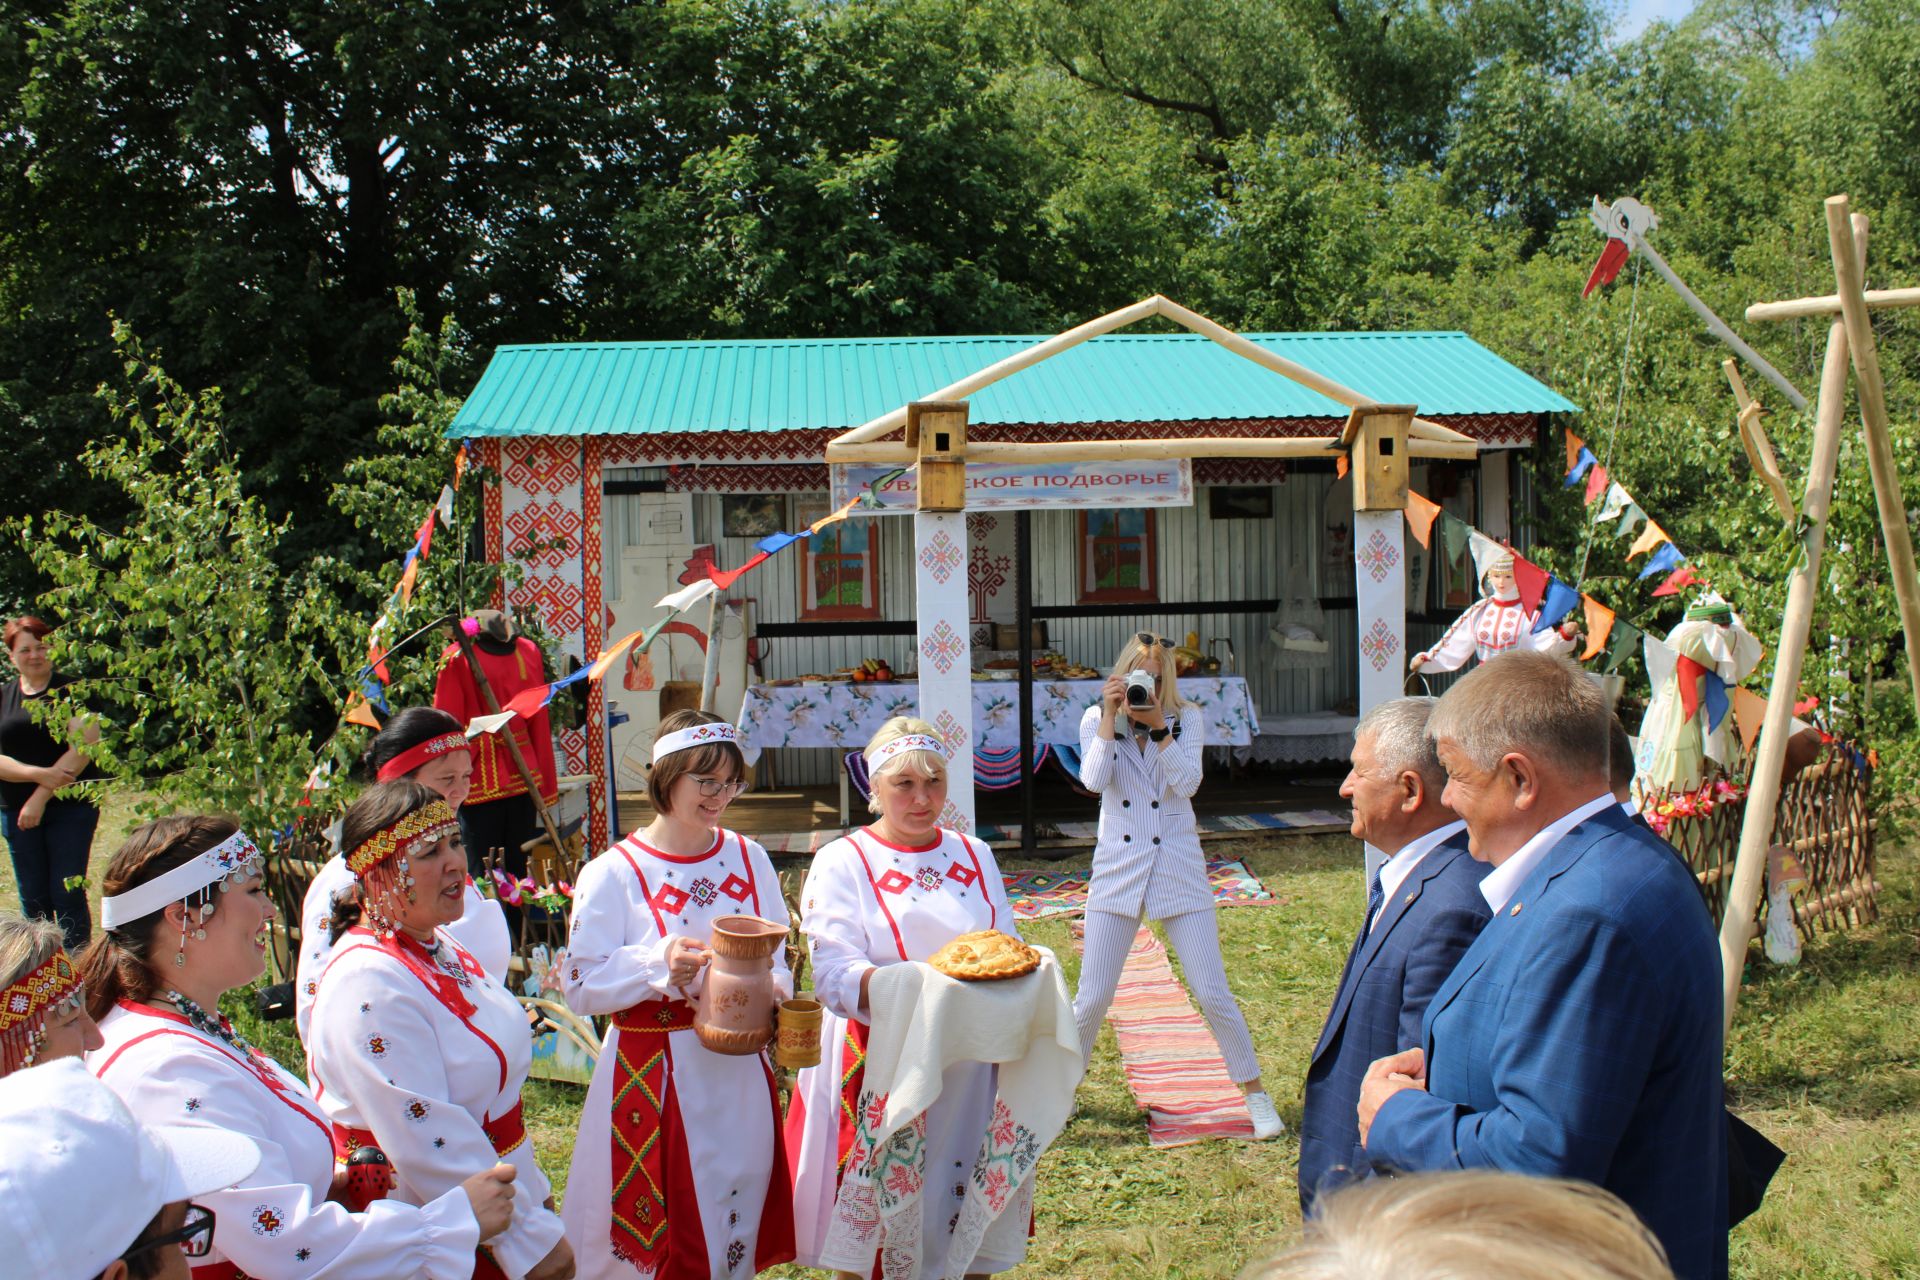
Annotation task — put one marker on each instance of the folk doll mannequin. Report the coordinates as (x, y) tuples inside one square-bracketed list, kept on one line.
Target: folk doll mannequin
[(1492, 625)]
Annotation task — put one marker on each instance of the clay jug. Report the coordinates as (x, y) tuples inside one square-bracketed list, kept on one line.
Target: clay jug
[(734, 1012)]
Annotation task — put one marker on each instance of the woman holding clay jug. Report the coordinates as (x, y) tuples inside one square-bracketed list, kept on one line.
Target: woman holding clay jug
[(693, 1144)]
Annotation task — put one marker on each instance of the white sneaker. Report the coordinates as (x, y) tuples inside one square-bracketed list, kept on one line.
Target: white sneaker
[(1266, 1119)]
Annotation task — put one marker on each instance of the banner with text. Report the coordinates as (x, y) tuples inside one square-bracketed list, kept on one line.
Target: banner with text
[(1000, 486)]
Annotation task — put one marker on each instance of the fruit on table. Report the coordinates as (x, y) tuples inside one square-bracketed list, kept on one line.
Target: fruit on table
[(872, 669)]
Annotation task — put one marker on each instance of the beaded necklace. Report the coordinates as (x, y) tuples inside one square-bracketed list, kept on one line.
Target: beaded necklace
[(214, 1026)]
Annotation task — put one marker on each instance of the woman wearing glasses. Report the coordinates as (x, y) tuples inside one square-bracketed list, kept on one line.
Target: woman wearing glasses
[(1140, 748), (186, 918), (677, 1168)]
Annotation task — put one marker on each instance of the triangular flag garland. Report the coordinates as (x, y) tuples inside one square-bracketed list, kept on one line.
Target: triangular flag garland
[(1650, 537), (1749, 714), (1455, 535), (1688, 673), (1717, 701), (1663, 561), (1575, 448), (1421, 513), (1679, 580), (1597, 483), (1556, 604), (1580, 464)]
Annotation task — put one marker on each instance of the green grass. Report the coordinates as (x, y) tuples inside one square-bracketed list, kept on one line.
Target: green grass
[(1822, 1059)]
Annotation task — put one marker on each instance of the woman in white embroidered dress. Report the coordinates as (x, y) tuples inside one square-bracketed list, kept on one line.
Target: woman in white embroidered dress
[(186, 920), (1141, 748), (641, 913), (414, 1050), (428, 746), (897, 890), (1493, 624)]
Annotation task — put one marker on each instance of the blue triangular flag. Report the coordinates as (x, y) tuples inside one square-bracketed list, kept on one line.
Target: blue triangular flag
[(1555, 603), (777, 542), (1581, 462), (1663, 561), (1717, 700)]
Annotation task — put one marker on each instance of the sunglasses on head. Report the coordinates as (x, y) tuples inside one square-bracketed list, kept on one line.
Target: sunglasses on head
[(1149, 639)]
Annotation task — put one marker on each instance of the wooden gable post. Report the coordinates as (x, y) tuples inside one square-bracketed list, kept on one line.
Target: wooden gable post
[(1376, 439), (942, 608)]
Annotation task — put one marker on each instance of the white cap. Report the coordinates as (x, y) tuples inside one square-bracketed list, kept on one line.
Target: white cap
[(80, 1178)]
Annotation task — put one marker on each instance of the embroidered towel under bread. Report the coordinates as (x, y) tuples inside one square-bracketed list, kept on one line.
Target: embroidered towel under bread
[(924, 1022)]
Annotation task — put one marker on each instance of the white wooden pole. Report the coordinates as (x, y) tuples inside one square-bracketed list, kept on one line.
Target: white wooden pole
[(944, 637), (1719, 329), (1795, 308)]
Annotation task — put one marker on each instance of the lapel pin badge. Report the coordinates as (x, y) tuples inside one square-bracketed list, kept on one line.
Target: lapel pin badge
[(1516, 908)]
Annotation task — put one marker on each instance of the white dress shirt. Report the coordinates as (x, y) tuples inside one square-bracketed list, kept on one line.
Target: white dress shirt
[(1505, 880), (1395, 870), (1629, 808)]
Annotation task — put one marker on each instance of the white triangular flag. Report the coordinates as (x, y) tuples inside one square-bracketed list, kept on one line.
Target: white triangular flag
[(1631, 519), (1616, 502), (487, 724), (685, 597), (445, 505)]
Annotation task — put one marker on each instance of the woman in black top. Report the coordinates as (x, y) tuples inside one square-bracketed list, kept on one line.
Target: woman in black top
[(50, 837)]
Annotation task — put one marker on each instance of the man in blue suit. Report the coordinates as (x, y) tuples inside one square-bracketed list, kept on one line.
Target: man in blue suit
[(1424, 910), (1580, 1036)]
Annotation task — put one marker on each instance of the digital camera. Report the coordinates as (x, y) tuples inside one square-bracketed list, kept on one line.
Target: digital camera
[(1140, 688)]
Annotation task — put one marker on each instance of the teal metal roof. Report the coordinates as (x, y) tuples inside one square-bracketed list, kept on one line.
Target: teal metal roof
[(644, 388)]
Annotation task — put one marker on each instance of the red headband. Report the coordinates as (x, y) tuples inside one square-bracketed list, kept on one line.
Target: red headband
[(414, 757)]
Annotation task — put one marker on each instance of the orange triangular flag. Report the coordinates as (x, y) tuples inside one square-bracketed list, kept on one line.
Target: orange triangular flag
[(1340, 465), (1574, 445), (1421, 513), (360, 712), (1650, 537), (1599, 626), (406, 581), (1749, 713)]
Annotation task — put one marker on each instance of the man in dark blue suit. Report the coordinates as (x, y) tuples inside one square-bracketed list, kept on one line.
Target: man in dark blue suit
[(1580, 1036), (1424, 910)]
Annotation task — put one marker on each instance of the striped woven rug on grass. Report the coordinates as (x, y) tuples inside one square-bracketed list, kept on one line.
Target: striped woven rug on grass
[(1173, 1066), (1038, 894)]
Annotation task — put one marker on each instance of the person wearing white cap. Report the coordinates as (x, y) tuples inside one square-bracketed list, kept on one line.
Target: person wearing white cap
[(641, 913), (413, 1050), (186, 918), (64, 1139), (1494, 624), (895, 891)]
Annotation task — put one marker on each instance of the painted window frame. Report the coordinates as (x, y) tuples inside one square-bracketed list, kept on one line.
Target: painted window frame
[(805, 511), (1149, 590)]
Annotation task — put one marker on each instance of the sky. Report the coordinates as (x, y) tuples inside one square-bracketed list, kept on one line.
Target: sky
[(1642, 12)]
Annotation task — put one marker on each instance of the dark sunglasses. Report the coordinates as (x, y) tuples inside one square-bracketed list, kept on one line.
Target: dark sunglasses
[(1149, 639), (194, 1239)]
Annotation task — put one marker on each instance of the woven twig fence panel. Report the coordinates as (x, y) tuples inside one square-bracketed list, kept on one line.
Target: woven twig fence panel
[(1824, 819)]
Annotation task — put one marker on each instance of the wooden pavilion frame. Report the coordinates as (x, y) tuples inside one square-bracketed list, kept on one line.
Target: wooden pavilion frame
[(1378, 440)]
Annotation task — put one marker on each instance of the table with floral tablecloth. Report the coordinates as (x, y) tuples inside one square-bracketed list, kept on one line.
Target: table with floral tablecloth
[(845, 714)]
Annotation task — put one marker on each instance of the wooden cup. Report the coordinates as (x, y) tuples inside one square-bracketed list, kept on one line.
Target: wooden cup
[(797, 1041)]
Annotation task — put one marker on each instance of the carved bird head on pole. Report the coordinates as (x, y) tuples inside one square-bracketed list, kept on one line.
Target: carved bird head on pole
[(1624, 223)]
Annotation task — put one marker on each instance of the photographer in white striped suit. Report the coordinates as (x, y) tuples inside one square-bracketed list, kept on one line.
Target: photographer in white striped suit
[(1140, 749)]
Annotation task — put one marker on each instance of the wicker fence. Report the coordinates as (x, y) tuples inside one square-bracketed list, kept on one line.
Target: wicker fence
[(1824, 819)]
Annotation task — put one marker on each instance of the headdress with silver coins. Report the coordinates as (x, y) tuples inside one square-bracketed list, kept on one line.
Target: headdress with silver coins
[(700, 735), (233, 861), (397, 842), (49, 989), (878, 757)]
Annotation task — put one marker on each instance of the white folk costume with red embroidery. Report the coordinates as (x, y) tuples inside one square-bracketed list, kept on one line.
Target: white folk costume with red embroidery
[(481, 929), (417, 1052), (868, 903), (691, 1138), (1490, 626), (278, 1223)]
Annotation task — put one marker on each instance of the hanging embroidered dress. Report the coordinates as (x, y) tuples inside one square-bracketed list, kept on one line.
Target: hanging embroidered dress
[(677, 1171), (868, 902)]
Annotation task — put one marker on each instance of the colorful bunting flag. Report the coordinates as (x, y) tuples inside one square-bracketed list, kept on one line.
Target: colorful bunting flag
[(1340, 465), (1596, 484), (1579, 465), (1626, 637), (1663, 561), (1652, 536), (1716, 695), (684, 599), (1630, 518), (1455, 534), (360, 713), (604, 663), (1749, 714), (1556, 604), (1575, 447), (1531, 579), (1616, 503), (1688, 673), (1599, 626), (1421, 513), (1679, 580)]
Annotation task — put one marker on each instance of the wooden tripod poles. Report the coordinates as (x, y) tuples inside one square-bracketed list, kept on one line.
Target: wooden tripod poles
[(1763, 801)]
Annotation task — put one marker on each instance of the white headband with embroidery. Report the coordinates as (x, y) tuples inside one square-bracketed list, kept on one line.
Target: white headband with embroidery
[(233, 859), (699, 736), (901, 745)]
